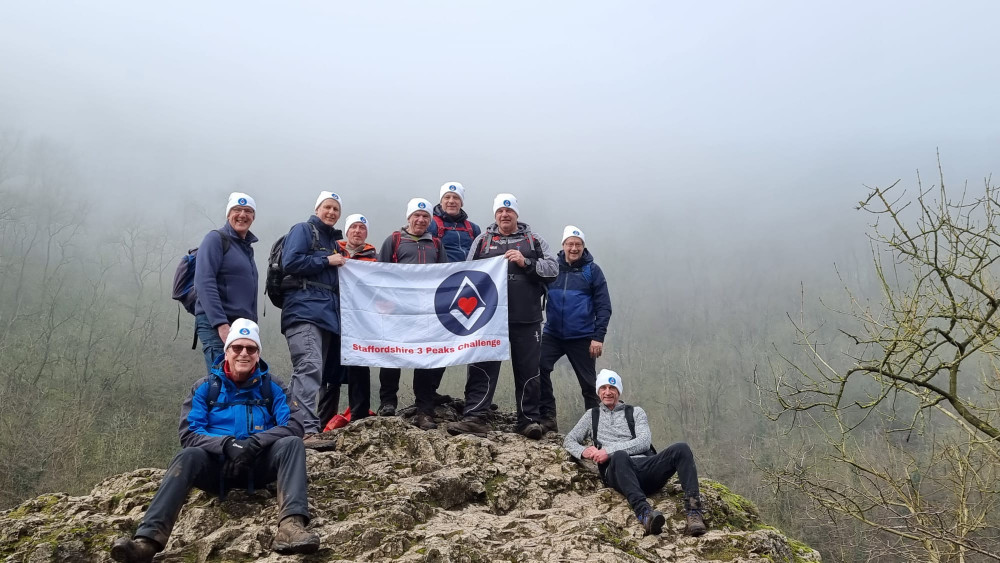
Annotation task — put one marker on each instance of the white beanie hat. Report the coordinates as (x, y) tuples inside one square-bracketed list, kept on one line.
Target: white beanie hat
[(505, 200), (355, 218), (455, 188), (571, 231), (417, 204), (243, 328), (240, 198), (327, 195), (608, 377)]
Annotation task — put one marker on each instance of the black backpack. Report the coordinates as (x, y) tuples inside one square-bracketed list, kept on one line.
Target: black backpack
[(277, 282), (629, 418), (266, 399), (184, 291)]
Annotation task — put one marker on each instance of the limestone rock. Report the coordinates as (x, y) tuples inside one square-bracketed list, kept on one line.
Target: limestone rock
[(392, 492)]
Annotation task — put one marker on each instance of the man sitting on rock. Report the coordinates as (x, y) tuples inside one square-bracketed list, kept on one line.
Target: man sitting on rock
[(237, 430), (626, 460)]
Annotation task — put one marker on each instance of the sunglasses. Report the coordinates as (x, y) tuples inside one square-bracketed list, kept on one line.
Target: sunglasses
[(239, 348)]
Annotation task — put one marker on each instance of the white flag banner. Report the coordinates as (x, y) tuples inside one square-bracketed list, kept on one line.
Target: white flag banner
[(423, 315)]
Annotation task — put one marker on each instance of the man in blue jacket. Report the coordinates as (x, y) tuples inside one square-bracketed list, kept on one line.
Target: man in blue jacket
[(451, 224), (310, 317), (238, 430), (225, 277), (576, 321)]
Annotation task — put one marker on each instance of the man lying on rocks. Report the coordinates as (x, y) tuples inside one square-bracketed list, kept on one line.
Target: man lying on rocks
[(237, 430), (626, 459)]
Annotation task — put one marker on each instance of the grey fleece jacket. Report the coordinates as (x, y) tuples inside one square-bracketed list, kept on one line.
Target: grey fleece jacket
[(612, 432)]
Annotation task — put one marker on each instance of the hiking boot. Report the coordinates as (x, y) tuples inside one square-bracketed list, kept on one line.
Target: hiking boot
[(314, 442), (532, 431), (134, 550), (469, 425), (293, 537), (387, 409), (651, 520), (549, 425), (424, 421), (695, 517)]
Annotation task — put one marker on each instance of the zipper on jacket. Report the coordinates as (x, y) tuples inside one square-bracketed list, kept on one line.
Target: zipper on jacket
[(249, 420)]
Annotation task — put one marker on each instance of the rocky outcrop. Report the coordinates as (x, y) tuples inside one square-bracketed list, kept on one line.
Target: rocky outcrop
[(392, 492)]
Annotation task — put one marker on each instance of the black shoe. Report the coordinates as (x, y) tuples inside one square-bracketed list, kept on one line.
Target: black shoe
[(387, 409), (424, 421), (695, 517), (532, 431), (469, 425), (137, 550), (652, 521), (549, 425)]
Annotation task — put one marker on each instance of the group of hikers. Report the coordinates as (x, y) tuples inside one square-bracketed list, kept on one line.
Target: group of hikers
[(241, 427)]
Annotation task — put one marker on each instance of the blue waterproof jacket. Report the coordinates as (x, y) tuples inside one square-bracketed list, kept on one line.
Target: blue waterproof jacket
[(317, 299), (201, 427), (579, 304), (226, 282), (456, 240)]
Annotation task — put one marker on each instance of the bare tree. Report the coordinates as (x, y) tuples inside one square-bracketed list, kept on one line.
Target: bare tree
[(904, 403)]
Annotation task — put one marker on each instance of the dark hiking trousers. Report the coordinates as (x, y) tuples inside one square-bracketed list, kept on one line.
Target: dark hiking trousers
[(358, 379), (637, 477), (481, 382), (425, 386), (577, 351), (284, 461)]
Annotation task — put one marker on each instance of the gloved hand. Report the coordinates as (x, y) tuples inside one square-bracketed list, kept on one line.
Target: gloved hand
[(242, 452)]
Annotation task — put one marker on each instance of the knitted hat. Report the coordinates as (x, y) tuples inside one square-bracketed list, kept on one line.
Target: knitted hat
[(243, 328), (327, 195), (355, 218), (417, 204), (571, 231), (505, 200), (455, 188), (239, 198), (608, 377)]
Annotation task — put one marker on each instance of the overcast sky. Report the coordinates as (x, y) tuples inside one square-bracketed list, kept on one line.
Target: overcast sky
[(713, 117)]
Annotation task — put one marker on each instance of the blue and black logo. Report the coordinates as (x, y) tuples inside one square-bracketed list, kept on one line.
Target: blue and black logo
[(506, 203), (612, 381), (466, 301), (244, 331), (422, 205), (242, 201)]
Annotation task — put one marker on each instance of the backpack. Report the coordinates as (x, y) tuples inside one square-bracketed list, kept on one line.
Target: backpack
[(266, 395), (629, 418), (277, 282), (184, 291), (466, 228), (397, 237)]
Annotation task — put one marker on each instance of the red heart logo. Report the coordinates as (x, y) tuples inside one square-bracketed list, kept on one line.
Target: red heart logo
[(467, 304)]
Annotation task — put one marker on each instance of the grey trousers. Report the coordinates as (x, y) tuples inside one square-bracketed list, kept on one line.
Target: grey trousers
[(315, 359), (283, 461)]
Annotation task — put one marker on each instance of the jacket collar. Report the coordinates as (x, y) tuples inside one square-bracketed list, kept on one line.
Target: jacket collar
[(460, 218), (332, 232), (252, 381), (228, 229)]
